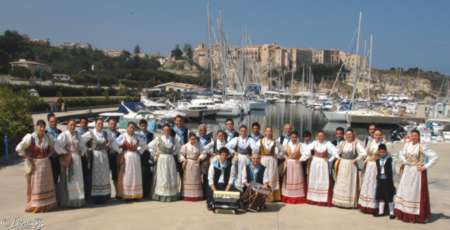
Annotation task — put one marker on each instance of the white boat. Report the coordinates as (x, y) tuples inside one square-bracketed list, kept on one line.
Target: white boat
[(161, 111), (257, 104), (336, 116), (106, 116), (194, 111)]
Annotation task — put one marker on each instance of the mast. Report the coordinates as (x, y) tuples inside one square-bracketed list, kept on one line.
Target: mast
[(358, 37), (210, 64), (369, 76)]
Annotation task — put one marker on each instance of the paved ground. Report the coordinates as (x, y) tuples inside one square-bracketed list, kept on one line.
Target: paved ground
[(186, 215)]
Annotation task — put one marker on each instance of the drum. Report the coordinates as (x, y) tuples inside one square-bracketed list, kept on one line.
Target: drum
[(254, 197)]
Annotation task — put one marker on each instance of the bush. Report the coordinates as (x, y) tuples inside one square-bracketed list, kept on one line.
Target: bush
[(20, 72), (15, 115)]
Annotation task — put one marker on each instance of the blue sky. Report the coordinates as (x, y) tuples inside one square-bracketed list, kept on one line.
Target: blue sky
[(406, 33)]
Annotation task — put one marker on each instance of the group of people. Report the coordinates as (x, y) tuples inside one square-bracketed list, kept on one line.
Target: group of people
[(76, 166)]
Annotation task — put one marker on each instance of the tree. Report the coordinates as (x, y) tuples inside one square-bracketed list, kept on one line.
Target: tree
[(137, 50), (187, 51), (176, 53)]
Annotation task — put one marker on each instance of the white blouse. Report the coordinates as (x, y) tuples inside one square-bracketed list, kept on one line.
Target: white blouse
[(169, 142), (322, 147), (219, 144), (66, 139), (348, 147), (412, 150), (133, 140), (239, 142), (23, 145), (304, 150), (268, 144), (189, 151)]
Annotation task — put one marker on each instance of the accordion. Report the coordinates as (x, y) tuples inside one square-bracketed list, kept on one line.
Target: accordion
[(225, 196), (223, 200)]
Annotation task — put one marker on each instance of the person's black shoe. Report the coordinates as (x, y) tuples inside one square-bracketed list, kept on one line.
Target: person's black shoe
[(376, 214), (392, 216)]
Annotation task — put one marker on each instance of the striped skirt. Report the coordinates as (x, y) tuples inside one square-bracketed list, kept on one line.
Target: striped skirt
[(293, 188), (41, 195)]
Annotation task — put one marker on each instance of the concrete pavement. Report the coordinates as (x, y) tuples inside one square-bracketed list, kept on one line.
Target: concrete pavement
[(189, 215)]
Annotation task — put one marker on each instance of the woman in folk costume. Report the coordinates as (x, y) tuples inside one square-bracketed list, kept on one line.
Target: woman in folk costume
[(165, 149), (412, 201), (293, 190), (216, 144), (367, 202), (269, 151), (320, 183), (36, 148), (191, 154), (346, 188), (99, 161), (130, 169), (71, 183), (241, 148)]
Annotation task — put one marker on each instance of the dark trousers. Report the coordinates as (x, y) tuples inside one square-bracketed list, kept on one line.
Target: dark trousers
[(56, 167), (112, 157), (147, 174), (86, 162)]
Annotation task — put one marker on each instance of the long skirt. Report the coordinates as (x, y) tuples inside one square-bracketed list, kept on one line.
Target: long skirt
[(320, 184), (345, 193), (367, 201), (242, 162), (293, 189), (271, 165), (166, 179), (41, 195), (412, 203), (130, 177), (71, 184), (192, 181), (101, 186)]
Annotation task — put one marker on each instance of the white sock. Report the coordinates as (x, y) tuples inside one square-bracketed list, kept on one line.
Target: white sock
[(391, 208), (381, 208)]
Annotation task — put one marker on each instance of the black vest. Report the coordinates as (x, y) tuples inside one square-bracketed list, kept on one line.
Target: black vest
[(218, 172), (259, 177), (387, 169)]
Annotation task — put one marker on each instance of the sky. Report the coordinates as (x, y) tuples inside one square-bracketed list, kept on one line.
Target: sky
[(407, 33)]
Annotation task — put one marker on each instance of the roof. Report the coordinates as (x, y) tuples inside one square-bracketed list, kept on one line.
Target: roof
[(178, 84), (24, 61)]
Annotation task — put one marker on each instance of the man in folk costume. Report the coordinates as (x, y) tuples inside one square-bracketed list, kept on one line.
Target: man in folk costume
[(191, 155), (83, 126), (367, 202), (220, 175), (130, 172), (36, 148), (146, 159), (255, 172), (241, 149), (269, 151), (255, 135), (71, 184), (346, 187), (412, 201), (53, 132), (85, 160), (229, 129), (320, 183), (113, 156), (385, 189), (293, 188), (167, 181), (181, 132), (283, 139), (204, 139), (97, 153), (338, 136)]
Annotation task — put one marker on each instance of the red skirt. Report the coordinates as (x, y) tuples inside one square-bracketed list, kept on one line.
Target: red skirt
[(424, 210)]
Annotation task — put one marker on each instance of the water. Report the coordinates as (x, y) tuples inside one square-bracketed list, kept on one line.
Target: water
[(275, 115)]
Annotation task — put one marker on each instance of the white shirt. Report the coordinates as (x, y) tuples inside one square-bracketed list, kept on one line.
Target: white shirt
[(348, 147), (218, 164), (169, 142), (322, 147), (22, 147), (268, 144), (304, 150), (239, 142), (255, 171), (410, 149)]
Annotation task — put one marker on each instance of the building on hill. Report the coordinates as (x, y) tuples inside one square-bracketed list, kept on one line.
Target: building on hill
[(33, 66), (179, 87)]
